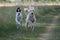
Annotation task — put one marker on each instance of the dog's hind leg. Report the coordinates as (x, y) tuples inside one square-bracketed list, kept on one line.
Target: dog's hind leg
[(17, 26), (32, 27), (21, 26), (27, 27)]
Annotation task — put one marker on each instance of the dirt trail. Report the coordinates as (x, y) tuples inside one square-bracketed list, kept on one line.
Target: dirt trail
[(49, 29), (25, 4)]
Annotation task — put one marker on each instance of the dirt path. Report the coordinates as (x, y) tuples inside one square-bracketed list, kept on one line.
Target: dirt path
[(27, 4), (49, 29)]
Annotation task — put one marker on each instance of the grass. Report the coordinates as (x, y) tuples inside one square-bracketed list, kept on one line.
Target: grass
[(56, 34), (30, 1), (56, 31), (8, 29)]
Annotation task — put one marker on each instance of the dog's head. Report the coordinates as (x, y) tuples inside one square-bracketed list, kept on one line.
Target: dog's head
[(31, 14), (18, 9)]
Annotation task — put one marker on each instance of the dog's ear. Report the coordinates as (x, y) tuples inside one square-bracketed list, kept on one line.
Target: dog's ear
[(18, 9)]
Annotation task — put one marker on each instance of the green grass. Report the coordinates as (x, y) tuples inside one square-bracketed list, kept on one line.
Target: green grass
[(30, 1), (56, 34), (56, 31), (8, 27)]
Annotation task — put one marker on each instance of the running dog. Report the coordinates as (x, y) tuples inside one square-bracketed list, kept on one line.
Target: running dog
[(30, 19), (18, 17)]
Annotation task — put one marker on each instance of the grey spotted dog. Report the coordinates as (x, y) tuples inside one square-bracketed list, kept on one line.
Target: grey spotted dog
[(18, 18)]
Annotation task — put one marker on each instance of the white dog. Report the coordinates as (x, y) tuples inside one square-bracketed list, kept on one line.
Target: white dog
[(18, 18), (30, 20), (26, 11)]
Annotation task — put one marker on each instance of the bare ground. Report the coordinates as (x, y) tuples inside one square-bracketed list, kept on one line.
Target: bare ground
[(27, 4)]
